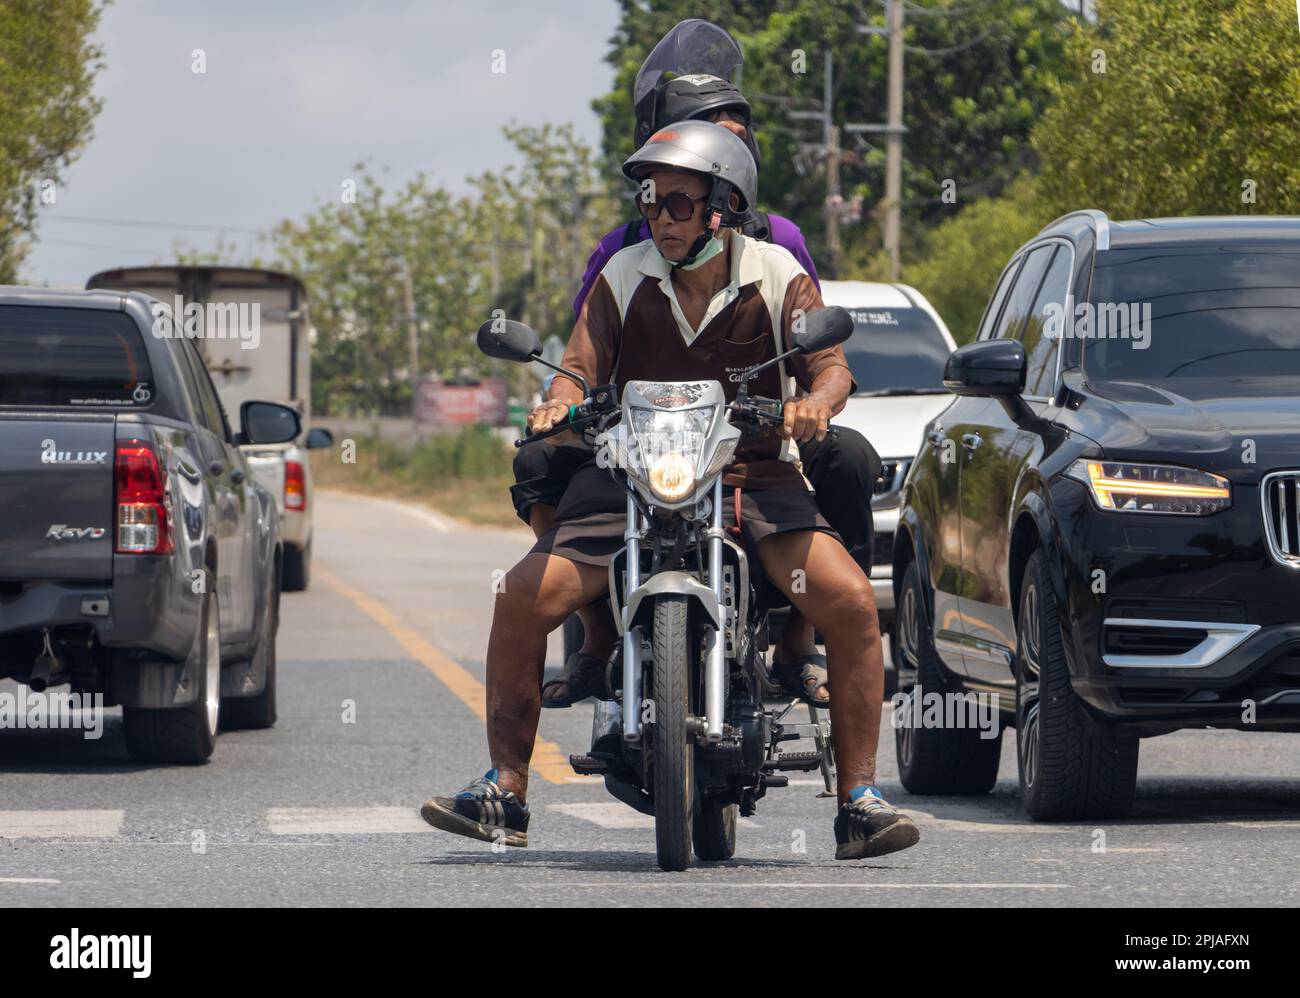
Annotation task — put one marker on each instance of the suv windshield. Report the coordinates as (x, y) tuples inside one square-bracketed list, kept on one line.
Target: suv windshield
[(896, 351), (71, 357), (1208, 313)]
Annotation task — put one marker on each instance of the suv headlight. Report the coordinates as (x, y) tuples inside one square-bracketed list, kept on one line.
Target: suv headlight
[(669, 445), (1153, 488)]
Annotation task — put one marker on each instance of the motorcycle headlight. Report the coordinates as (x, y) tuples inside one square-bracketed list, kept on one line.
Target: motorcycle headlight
[(669, 445), (1153, 488)]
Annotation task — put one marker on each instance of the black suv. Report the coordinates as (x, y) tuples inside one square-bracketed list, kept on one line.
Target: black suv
[(1101, 534)]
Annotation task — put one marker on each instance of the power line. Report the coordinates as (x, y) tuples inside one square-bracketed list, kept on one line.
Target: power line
[(915, 8), (138, 224), (978, 39)]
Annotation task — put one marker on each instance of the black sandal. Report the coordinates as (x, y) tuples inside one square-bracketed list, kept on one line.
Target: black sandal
[(583, 674), (803, 677)]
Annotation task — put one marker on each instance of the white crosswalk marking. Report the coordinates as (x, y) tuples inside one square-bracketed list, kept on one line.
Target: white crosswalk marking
[(102, 824), (613, 815), (606, 814), (345, 821)]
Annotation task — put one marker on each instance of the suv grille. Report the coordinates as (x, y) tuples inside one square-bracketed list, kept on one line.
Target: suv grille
[(1281, 499)]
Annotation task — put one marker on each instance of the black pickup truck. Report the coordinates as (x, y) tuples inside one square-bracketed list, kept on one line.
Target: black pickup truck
[(139, 558)]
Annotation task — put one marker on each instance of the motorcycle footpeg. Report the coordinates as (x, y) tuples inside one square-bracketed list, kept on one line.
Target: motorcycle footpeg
[(588, 765), (775, 780), (799, 761)]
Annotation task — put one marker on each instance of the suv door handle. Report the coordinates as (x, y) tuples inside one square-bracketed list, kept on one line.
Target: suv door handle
[(971, 441)]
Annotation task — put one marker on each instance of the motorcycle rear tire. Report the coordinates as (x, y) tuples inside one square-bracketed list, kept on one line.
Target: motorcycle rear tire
[(714, 830)]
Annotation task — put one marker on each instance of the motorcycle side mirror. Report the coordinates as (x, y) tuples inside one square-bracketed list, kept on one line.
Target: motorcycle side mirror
[(506, 339), (827, 327)]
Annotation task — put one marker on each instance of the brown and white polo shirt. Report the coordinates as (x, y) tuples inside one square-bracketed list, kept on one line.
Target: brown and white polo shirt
[(632, 328)]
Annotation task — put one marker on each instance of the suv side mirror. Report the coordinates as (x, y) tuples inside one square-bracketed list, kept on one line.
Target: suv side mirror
[(988, 369), (268, 423)]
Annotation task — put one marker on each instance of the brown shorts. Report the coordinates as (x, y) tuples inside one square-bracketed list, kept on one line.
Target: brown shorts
[(592, 515)]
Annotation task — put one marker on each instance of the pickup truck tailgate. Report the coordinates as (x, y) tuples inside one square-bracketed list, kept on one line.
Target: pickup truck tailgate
[(267, 465), (56, 498)]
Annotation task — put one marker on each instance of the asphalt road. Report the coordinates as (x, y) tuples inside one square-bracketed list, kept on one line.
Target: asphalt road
[(380, 701)]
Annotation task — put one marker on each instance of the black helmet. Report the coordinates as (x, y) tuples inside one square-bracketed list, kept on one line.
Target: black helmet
[(690, 74), (697, 97)]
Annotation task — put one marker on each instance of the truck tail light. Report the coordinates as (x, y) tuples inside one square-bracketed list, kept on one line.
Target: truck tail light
[(295, 486), (142, 521)]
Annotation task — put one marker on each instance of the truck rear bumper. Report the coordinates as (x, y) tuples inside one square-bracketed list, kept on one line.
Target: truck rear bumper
[(143, 608)]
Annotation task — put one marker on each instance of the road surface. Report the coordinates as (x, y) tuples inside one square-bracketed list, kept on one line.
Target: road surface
[(380, 698)]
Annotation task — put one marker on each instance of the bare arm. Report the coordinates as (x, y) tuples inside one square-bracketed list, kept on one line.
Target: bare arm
[(809, 416)]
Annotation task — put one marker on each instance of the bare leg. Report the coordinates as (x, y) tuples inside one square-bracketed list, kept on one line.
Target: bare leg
[(838, 601), (598, 630), (539, 593), (797, 640)]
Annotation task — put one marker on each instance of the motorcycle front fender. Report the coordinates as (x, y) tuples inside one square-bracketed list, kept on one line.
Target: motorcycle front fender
[(640, 604)]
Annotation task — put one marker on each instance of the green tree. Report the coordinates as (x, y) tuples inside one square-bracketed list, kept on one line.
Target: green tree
[(978, 76), (1178, 109), (47, 68), (968, 252), (518, 242)]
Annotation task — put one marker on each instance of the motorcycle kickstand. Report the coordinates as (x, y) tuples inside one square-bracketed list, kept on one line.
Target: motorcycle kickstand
[(821, 738)]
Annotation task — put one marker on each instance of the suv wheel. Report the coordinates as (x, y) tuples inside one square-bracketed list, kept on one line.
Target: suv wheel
[(1071, 767), (934, 760)]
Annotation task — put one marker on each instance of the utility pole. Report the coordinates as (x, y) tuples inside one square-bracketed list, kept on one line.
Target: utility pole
[(894, 149), (413, 344), (831, 142), (893, 129)]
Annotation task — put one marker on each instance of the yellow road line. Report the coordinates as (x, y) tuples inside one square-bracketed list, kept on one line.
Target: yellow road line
[(548, 761)]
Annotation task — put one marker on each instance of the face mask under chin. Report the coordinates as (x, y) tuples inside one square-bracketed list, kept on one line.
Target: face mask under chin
[(711, 249)]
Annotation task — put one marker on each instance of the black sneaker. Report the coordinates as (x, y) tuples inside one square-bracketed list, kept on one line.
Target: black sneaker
[(869, 826), (482, 811)]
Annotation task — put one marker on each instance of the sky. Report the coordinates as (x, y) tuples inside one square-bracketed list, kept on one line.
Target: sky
[(293, 95)]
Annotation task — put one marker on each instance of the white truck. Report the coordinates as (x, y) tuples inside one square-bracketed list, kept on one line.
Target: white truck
[(254, 331)]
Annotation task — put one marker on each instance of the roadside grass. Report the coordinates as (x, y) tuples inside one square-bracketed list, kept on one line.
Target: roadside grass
[(466, 474)]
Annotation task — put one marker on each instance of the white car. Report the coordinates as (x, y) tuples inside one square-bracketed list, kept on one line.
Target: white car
[(897, 353), (285, 470)]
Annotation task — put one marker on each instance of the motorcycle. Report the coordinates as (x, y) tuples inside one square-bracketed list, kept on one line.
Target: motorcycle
[(687, 735)]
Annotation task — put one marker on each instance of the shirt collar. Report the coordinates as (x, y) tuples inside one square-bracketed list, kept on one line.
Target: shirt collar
[(746, 268)]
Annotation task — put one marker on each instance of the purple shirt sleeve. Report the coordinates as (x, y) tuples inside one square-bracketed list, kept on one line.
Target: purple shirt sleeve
[(786, 233), (609, 244)]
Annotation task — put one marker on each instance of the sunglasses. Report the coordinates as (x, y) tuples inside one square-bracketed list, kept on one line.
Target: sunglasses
[(680, 205)]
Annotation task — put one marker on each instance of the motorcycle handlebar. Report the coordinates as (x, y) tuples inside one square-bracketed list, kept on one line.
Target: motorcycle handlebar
[(603, 400)]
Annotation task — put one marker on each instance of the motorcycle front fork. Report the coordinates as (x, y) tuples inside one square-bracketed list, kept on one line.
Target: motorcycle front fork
[(715, 661)]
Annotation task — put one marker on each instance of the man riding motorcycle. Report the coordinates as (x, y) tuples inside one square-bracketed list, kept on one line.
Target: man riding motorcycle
[(699, 301), (842, 469)]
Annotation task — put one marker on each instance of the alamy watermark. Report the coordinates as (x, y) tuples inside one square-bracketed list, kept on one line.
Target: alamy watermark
[(212, 320), (1098, 321), (27, 709), (920, 708)]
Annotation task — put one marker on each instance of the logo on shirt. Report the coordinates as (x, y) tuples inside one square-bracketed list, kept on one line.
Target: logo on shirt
[(737, 374)]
